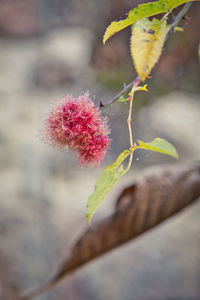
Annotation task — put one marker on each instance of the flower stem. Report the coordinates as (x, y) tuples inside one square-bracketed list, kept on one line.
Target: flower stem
[(135, 84), (129, 119)]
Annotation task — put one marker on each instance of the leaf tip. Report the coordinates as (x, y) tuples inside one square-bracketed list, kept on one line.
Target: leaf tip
[(88, 219), (108, 33), (176, 155), (89, 214)]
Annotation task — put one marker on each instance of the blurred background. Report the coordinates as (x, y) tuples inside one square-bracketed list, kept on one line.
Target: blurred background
[(50, 48)]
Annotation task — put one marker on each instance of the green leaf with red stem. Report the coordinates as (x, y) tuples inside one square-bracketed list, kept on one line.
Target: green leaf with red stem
[(157, 145)]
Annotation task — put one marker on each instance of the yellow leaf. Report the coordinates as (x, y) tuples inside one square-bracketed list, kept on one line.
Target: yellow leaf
[(138, 88), (114, 27), (146, 44), (177, 28)]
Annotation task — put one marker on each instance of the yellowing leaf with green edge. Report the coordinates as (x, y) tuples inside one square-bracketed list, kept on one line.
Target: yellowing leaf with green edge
[(146, 44), (142, 10), (106, 181), (157, 145)]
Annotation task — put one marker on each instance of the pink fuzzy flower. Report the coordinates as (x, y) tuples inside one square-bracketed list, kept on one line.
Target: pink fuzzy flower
[(78, 124)]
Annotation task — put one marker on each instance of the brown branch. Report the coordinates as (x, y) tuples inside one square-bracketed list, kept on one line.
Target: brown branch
[(158, 194), (115, 98)]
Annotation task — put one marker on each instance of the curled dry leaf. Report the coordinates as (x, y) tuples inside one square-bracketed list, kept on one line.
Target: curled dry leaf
[(157, 194)]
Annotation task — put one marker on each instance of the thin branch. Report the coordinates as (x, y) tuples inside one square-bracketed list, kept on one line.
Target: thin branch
[(179, 17), (135, 84), (129, 122), (114, 99)]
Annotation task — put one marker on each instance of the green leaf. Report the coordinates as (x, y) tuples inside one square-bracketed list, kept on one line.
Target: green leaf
[(106, 181), (142, 10), (157, 145)]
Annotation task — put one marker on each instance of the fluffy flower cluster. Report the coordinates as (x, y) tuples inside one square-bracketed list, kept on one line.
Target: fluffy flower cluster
[(78, 124)]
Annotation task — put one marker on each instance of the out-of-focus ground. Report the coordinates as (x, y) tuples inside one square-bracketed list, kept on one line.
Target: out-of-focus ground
[(52, 48)]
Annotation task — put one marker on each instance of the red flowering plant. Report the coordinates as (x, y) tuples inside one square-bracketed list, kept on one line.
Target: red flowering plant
[(78, 124)]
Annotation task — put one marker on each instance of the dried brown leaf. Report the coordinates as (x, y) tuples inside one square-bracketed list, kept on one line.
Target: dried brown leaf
[(156, 195)]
